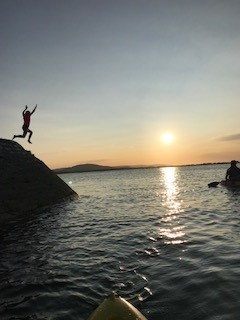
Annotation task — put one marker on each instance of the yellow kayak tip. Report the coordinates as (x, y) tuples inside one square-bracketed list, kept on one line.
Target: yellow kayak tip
[(115, 307)]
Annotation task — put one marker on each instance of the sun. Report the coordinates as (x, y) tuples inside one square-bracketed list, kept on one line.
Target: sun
[(167, 138)]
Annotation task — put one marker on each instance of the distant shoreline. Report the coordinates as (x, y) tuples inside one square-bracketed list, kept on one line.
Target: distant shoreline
[(95, 167)]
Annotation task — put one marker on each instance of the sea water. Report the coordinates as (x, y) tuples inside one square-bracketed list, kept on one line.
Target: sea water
[(159, 237)]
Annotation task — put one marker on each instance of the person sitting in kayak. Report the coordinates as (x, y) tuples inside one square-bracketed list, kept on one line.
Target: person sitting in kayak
[(26, 124), (233, 173)]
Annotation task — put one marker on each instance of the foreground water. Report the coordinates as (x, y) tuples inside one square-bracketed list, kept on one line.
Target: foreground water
[(159, 237)]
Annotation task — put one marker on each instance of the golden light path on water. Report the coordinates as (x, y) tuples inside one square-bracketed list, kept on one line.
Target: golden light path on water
[(173, 233)]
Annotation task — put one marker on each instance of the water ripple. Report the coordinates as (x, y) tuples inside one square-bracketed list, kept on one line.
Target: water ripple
[(166, 243)]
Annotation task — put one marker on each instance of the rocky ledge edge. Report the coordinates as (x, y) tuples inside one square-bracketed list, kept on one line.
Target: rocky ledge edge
[(27, 184)]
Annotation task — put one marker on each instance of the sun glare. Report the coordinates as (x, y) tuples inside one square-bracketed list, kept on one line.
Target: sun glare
[(167, 137)]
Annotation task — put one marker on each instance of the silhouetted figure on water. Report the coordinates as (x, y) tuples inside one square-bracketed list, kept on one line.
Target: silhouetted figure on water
[(233, 173), (26, 124)]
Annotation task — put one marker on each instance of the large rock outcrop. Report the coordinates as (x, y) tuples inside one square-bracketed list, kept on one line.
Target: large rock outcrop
[(26, 182)]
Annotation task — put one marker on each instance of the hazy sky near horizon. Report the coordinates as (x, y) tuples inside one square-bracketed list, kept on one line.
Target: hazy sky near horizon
[(110, 77)]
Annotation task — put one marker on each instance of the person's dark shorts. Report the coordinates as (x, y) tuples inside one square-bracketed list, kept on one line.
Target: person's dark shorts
[(25, 128)]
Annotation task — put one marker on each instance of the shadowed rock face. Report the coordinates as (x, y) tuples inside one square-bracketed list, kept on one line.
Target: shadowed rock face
[(27, 183)]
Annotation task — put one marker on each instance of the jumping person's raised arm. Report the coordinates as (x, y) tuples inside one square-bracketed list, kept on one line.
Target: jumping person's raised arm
[(34, 109), (24, 110)]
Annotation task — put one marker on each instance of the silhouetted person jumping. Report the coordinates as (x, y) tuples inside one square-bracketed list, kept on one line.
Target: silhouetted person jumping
[(26, 124)]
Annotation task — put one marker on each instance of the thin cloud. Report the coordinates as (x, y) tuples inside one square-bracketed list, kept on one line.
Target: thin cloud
[(231, 137)]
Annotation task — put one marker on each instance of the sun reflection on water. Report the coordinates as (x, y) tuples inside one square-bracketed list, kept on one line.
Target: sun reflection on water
[(172, 232), (171, 190)]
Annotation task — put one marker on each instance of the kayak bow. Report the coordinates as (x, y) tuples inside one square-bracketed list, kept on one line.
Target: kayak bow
[(116, 308)]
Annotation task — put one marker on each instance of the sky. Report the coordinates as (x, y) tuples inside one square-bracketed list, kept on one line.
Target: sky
[(110, 77)]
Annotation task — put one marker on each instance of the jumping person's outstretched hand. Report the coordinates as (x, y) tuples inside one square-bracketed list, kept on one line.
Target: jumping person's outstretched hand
[(24, 110), (34, 109)]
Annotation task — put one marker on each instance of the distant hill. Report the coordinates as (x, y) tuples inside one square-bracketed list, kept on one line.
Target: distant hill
[(83, 168), (88, 167)]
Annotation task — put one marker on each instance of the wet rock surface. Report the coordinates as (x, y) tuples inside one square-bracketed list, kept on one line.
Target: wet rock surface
[(27, 184)]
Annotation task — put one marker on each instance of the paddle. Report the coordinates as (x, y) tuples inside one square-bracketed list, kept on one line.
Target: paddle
[(214, 184)]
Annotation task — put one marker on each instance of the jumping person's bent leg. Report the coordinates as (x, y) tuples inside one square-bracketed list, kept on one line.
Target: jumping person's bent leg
[(30, 135), (25, 131), (20, 135)]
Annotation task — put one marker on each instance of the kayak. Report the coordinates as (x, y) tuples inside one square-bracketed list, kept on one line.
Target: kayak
[(225, 183), (230, 183), (115, 307)]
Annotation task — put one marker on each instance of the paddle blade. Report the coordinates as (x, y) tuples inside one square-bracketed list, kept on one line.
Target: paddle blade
[(213, 184)]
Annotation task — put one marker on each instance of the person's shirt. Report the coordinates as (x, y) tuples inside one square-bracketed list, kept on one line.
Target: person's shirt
[(26, 119), (233, 172)]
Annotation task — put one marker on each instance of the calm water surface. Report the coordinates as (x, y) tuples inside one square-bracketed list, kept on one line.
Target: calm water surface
[(159, 237)]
